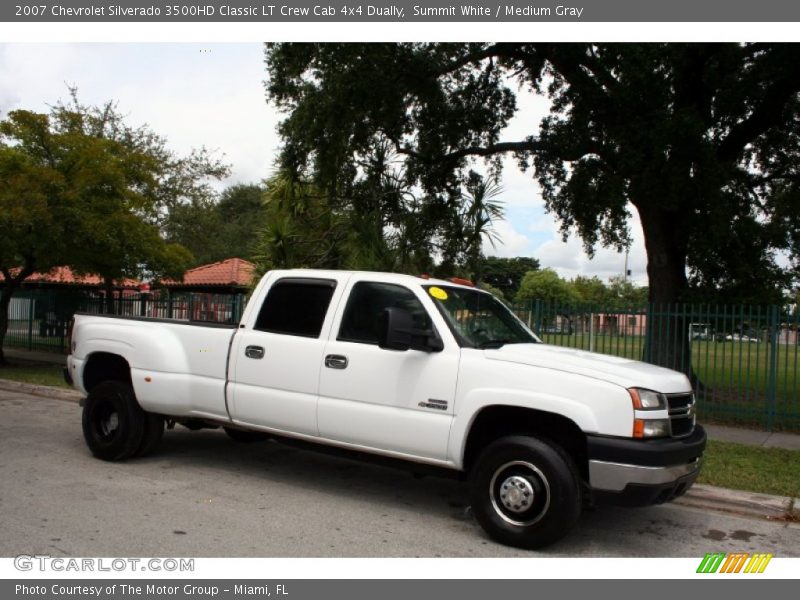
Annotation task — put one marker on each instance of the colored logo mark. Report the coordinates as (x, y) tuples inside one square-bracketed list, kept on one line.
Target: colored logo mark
[(737, 562)]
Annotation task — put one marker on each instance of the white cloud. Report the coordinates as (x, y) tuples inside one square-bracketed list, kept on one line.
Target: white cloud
[(569, 259), (512, 242), (193, 94)]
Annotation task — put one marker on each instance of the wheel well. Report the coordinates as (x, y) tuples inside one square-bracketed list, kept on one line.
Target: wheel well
[(103, 366), (494, 422)]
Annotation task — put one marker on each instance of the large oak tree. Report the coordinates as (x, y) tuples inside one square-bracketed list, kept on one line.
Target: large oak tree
[(700, 139)]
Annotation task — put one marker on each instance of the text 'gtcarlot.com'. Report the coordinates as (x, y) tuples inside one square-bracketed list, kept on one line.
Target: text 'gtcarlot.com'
[(39, 562)]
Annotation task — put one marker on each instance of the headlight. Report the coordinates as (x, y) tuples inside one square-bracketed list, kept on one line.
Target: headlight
[(647, 399)]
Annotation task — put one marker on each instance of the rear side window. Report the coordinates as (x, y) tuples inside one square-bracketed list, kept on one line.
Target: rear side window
[(296, 307), (362, 317)]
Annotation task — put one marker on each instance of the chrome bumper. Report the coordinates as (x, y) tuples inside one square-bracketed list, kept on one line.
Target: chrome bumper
[(615, 477)]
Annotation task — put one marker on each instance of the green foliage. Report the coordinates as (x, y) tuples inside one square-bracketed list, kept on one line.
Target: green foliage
[(399, 218), (216, 229), (623, 294), (376, 222), (492, 290), (82, 188), (32, 207), (546, 285), (115, 183), (591, 291), (506, 274), (701, 139)]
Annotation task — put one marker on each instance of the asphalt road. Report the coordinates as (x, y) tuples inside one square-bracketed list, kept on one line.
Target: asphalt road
[(202, 494)]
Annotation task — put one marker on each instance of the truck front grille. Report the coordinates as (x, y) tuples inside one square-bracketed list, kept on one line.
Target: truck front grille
[(681, 414)]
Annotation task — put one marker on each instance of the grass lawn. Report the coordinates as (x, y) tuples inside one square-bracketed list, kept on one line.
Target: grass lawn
[(764, 470), (34, 373)]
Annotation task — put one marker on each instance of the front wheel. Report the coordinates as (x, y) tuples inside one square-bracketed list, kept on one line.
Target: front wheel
[(113, 422), (525, 492)]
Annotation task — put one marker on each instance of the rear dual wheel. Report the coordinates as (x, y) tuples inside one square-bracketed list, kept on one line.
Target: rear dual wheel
[(525, 492), (114, 425)]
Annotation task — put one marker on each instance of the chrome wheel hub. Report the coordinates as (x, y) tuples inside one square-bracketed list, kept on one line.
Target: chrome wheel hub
[(519, 493), (516, 493), (110, 424)]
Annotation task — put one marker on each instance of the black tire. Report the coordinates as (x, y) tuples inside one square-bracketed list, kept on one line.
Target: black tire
[(525, 492), (153, 432), (246, 437), (113, 421)]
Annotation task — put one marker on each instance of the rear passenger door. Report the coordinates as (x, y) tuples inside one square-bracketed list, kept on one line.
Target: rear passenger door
[(400, 402), (276, 361)]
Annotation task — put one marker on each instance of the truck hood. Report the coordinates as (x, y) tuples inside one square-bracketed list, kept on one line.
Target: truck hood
[(614, 369)]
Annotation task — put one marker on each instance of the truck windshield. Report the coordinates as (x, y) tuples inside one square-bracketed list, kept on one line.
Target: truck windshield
[(478, 319)]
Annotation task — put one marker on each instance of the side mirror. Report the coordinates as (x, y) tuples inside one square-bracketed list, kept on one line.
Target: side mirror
[(398, 333)]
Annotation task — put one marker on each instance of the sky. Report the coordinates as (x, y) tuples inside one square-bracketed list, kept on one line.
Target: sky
[(212, 95)]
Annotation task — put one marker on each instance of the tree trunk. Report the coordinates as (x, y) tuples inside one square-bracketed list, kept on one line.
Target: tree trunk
[(5, 301), (667, 342), (108, 284), (11, 285)]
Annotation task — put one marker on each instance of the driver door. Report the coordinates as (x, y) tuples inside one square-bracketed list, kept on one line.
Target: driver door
[(400, 402)]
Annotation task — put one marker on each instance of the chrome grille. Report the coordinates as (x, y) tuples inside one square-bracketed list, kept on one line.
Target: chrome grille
[(681, 414)]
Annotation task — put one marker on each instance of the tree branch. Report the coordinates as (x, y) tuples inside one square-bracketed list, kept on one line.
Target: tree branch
[(766, 115), (498, 148)]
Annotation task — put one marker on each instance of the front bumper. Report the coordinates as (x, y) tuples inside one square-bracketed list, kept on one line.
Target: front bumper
[(641, 472)]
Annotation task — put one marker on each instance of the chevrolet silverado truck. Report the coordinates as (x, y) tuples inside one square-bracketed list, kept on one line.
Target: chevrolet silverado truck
[(429, 371)]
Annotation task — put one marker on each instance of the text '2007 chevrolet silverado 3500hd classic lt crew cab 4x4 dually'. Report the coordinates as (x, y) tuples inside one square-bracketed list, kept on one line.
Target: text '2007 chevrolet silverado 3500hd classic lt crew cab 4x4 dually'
[(427, 371)]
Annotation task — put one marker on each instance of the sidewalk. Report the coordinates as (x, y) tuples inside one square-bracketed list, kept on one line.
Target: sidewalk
[(753, 437)]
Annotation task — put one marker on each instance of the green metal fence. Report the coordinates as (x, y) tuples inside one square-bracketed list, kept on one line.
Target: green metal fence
[(38, 319), (743, 360)]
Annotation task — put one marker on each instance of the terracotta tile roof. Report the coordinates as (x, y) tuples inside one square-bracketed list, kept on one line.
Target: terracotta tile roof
[(65, 276), (232, 272)]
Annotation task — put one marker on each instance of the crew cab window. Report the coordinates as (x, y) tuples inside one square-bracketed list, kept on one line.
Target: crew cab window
[(296, 307), (362, 316)]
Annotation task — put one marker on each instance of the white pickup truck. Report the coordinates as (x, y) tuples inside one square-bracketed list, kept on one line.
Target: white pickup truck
[(428, 371)]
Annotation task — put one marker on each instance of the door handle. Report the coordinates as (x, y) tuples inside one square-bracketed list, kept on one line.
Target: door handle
[(254, 352), (336, 361)]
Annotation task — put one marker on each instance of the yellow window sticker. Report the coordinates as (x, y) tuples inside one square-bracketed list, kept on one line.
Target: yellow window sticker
[(437, 293)]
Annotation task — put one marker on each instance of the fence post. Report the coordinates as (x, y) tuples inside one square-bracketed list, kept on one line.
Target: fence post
[(30, 319), (530, 315), (772, 374)]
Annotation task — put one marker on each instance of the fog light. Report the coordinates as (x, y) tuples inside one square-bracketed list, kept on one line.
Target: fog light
[(650, 428)]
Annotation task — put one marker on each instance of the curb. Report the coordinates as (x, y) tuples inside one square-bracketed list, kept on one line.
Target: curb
[(707, 497), (751, 504), (44, 391)]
